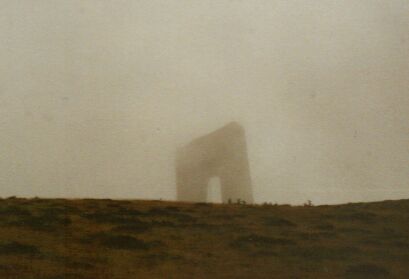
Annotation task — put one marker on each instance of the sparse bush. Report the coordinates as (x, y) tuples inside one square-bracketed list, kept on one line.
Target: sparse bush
[(58, 210), (154, 259), (184, 218), (14, 211), (309, 236), (363, 271), (164, 212), (308, 203), (269, 204), (123, 242), (240, 202), (4, 267), (365, 217), (129, 212), (78, 265), (227, 216), (137, 227), (261, 241), (164, 224), (325, 227), (159, 211), (173, 208), (42, 223), (277, 221), (205, 226), (203, 204), (17, 248), (319, 253), (109, 218), (66, 276)]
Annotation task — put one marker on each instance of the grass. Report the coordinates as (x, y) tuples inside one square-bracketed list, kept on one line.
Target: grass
[(57, 238)]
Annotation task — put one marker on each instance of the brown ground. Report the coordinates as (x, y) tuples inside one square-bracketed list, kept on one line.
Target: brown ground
[(50, 239)]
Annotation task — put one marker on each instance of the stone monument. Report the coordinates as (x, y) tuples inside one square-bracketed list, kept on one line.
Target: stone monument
[(223, 154)]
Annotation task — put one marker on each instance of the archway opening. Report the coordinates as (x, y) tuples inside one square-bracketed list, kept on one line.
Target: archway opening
[(214, 190)]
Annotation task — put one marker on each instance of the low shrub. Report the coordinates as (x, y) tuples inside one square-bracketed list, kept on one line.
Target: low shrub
[(42, 223), (259, 240), (119, 241), (363, 271), (17, 248), (136, 227), (276, 221), (123, 242)]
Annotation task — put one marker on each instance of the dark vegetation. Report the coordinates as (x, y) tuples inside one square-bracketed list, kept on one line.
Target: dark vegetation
[(17, 248), (123, 242), (58, 238), (366, 271)]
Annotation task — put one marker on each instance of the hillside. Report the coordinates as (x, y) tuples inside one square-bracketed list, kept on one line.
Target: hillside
[(56, 239)]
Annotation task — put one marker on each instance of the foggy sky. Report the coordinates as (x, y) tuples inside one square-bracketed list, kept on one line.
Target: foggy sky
[(95, 96)]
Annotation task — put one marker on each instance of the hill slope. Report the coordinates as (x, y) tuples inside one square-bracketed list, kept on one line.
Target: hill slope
[(50, 239)]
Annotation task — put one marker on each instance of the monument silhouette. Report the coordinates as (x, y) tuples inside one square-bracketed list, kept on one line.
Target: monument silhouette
[(223, 154)]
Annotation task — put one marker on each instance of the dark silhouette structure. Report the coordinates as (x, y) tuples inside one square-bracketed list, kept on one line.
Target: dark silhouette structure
[(223, 154)]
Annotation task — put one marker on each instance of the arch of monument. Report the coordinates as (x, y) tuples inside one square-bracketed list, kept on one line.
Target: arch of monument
[(223, 154)]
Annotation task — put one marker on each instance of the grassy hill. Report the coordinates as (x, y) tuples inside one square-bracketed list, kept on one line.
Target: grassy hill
[(62, 239)]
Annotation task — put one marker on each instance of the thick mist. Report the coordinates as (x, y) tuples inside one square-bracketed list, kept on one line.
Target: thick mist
[(95, 96)]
